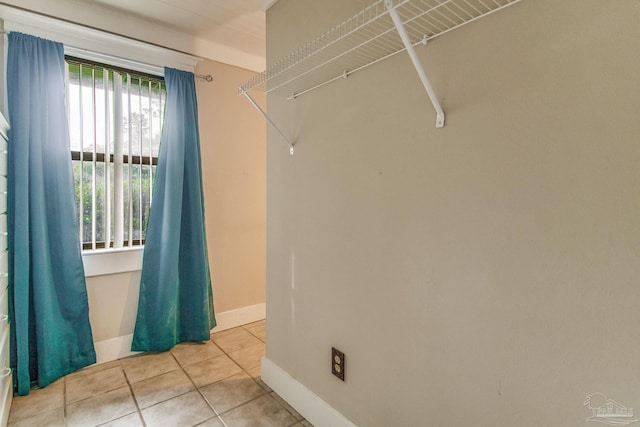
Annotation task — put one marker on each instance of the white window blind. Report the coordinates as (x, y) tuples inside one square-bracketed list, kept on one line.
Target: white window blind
[(115, 122)]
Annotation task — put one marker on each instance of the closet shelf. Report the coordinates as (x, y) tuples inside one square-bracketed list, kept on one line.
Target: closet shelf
[(366, 38), (377, 32)]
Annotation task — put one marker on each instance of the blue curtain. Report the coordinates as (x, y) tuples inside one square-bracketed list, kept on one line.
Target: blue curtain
[(50, 331), (176, 302)]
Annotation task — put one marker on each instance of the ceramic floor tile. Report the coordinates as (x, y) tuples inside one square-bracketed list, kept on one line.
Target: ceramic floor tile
[(138, 368), (232, 392), (258, 329), (234, 339), (131, 420), (256, 374), (212, 422), (286, 406), (163, 387), (101, 409), (186, 410), (85, 386), (212, 370), (225, 332), (190, 353), (53, 418), (261, 412), (100, 394), (262, 322), (93, 369), (249, 357), (37, 401), (58, 381)]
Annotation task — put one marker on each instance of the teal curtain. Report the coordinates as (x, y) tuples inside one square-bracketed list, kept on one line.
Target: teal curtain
[(50, 331), (175, 301)]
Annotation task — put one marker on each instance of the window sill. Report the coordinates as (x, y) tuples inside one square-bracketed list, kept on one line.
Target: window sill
[(112, 261)]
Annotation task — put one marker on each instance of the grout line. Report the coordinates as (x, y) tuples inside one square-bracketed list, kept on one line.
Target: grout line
[(246, 329), (259, 397), (212, 418), (119, 418), (237, 364), (90, 396), (166, 400), (256, 381), (197, 388), (156, 376), (268, 393), (133, 395), (249, 401), (144, 424), (215, 411), (259, 339), (64, 400), (245, 371), (287, 409)]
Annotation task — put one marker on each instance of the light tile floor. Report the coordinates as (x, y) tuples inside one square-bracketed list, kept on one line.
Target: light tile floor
[(212, 384)]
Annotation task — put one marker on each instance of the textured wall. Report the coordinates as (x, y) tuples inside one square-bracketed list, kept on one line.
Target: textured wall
[(482, 274)]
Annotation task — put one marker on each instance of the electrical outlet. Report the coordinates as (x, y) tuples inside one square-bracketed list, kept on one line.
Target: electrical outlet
[(337, 363)]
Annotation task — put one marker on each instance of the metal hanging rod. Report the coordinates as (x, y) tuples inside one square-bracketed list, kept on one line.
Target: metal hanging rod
[(406, 41), (268, 119)]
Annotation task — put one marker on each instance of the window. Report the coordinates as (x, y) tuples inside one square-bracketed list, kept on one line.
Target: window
[(115, 122)]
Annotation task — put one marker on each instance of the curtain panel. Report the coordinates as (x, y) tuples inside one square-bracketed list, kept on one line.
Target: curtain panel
[(176, 302), (50, 331)]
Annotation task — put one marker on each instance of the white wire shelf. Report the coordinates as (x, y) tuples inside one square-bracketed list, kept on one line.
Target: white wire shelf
[(364, 39)]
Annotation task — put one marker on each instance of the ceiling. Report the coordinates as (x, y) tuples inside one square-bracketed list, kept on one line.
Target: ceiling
[(239, 24), (229, 31)]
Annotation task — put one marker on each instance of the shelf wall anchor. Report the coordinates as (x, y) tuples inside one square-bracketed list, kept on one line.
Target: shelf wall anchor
[(268, 119), (397, 21)]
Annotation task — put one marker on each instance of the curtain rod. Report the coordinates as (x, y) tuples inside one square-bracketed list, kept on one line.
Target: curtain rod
[(205, 77)]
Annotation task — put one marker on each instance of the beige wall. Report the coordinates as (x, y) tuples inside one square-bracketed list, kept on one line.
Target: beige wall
[(113, 304), (232, 139), (234, 172), (483, 274)]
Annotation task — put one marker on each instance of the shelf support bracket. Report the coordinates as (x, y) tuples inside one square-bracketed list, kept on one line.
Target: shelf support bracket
[(397, 21), (268, 119)]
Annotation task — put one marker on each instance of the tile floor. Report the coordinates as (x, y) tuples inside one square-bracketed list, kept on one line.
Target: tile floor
[(211, 384)]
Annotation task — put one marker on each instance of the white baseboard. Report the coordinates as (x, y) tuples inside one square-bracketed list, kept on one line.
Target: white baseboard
[(114, 348), (119, 347), (240, 316), (5, 406), (307, 403)]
